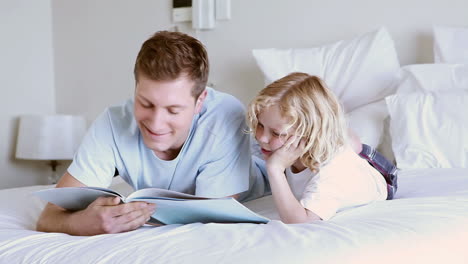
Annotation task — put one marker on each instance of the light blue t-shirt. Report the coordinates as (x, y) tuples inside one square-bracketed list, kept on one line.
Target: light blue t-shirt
[(215, 160)]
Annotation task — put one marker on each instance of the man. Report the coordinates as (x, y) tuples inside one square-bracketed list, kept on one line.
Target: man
[(175, 134)]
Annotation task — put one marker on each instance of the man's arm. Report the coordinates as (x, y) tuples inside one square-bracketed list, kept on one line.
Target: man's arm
[(104, 215)]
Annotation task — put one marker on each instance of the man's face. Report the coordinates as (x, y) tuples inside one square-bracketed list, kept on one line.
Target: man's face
[(164, 111)]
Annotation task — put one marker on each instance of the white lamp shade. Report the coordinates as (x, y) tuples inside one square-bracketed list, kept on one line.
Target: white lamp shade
[(49, 137)]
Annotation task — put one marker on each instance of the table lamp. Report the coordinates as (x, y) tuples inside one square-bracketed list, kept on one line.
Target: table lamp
[(49, 138)]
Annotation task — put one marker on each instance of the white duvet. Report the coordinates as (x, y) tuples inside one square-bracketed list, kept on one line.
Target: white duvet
[(426, 223)]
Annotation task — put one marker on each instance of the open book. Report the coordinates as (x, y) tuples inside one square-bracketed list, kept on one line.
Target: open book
[(171, 207)]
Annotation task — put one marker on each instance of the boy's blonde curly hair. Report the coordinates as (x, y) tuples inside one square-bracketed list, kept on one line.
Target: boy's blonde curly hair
[(313, 113)]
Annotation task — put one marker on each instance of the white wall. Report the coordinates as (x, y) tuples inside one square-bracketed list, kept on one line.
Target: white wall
[(95, 44), (307, 23), (26, 82)]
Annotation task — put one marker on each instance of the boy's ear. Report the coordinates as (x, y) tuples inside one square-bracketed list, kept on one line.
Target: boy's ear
[(201, 98)]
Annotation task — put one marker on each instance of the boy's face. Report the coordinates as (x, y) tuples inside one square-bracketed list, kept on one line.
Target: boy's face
[(271, 130), (164, 111)]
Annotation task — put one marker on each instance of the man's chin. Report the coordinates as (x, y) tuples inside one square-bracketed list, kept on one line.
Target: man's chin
[(164, 153), (164, 150), (156, 146)]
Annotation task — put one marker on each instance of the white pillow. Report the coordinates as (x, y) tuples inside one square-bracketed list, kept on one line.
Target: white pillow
[(432, 77), (385, 146), (359, 71), (424, 78), (367, 122), (451, 44), (371, 124), (429, 130)]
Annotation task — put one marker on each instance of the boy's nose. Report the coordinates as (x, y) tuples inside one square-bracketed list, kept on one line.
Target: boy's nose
[(263, 138)]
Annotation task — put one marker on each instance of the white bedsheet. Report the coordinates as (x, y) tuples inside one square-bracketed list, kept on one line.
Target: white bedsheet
[(426, 223)]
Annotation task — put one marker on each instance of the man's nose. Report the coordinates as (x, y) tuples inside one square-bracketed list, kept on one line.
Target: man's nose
[(158, 119)]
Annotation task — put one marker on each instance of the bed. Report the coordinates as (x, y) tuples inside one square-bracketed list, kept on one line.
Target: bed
[(415, 114), (426, 223)]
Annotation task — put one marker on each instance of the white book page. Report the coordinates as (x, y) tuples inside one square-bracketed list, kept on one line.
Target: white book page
[(74, 198), (223, 210), (156, 193)]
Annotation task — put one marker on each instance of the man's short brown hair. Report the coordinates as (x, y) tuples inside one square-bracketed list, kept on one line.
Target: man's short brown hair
[(169, 55)]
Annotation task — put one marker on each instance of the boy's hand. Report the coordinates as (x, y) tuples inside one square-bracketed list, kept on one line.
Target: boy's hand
[(286, 155)]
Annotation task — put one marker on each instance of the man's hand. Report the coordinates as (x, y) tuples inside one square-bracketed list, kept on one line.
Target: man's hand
[(106, 215)]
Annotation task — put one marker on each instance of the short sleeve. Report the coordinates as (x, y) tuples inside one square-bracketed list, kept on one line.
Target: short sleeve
[(320, 199), (323, 193), (346, 181), (94, 162)]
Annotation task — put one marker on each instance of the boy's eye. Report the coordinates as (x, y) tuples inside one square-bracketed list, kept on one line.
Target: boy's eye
[(276, 134), (173, 112)]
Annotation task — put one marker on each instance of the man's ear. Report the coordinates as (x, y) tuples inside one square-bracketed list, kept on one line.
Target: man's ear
[(200, 100)]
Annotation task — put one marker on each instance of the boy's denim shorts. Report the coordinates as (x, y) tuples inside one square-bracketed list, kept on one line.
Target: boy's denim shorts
[(384, 166)]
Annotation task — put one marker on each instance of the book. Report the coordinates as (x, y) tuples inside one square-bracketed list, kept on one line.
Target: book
[(171, 207)]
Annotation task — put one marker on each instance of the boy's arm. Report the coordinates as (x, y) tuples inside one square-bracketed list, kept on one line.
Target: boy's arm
[(289, 208), (104, 215)]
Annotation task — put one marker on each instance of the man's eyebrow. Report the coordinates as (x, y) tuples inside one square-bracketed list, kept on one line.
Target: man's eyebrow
[(142, 97), (169, 106), (176, 106)]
